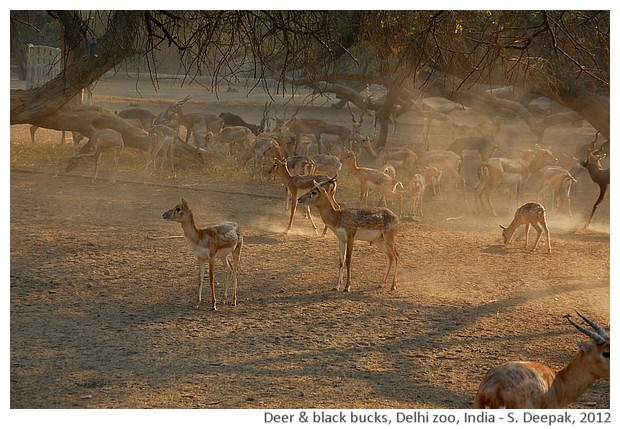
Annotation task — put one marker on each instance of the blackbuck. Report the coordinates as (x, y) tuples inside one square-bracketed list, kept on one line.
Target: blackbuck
[(415, 191), (262, 148), (527, 384), (163, 139), (144, 117), (529, 214), (599, 175), (375, 180), (495, 170), (403, 159), (485, 147), (315, 127), (102, 141), (232, 120), (297, 185), (376, 225), (236, 136), (558, 182), (448, 162), (208, 244)]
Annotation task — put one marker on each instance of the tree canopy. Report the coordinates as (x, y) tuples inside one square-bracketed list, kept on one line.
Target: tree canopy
[(562, 55)]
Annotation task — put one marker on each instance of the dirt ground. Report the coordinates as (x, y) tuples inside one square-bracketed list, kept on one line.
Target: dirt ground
[(102, 315)]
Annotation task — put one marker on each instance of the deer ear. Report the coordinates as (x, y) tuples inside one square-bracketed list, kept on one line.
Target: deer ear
[(183, 202)]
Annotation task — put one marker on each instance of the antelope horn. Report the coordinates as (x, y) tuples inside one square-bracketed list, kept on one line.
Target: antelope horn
[(600, 336), (324, 182)]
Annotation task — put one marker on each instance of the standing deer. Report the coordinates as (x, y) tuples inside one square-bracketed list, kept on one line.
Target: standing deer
[(534, 385), (372, 179), (316, 127), (529, 214), (217, 241), (494, 171), (295, 184), (599, 175), (105, 140), (376, 225), (164, 140), (559, 181)]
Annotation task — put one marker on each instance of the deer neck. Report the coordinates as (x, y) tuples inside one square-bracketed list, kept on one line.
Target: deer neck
[(189, 228), (371, 151), (329, 210), (570, 382)]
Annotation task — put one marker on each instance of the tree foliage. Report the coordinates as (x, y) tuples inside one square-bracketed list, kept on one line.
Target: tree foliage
[(564, 55)]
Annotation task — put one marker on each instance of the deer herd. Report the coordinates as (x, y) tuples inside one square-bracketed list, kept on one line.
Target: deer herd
[(396, 176)]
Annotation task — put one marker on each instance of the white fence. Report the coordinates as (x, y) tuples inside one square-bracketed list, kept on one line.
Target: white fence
[(43, 64)]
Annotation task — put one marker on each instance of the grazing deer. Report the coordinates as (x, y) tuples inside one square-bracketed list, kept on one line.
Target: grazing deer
[(375, 225), (371, 179), (295, 185), (236, 135), (495, 170), (599, 175), (217, 241), (106, 140), (232, 120), (534, 385), (529, 214)]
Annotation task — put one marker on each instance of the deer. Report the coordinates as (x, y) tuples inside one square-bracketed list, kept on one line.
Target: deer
[(163, 139), (526, 384), (559, 181), (376, 225), (483, 145), (402, 158), (598, 174), (145, 117), (448, 162), (316, 127), (296, 184), (263, 147), (372, 179), (75, 136), (415, 191), (208, 244), (236, 135), (231, 120), (106, 140), (496, 170), (207, 122), (529, 214)]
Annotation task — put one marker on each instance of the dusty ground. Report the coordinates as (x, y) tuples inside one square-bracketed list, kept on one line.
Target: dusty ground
[(103, 317)]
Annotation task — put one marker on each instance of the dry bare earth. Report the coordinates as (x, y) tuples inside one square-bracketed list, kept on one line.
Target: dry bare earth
[(103, 317)]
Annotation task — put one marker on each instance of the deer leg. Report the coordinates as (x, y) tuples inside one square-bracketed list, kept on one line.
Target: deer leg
[(236, 261), (527, 233), (201, 280), (97, 163), (341, 261), (603, 190), (212, 283), (293, 209), (539, 232), (311, 219), (349, 254)]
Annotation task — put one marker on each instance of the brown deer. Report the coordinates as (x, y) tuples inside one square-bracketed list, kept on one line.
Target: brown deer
[(376, 225), (534, 385), (372, 179), (163, 139), (316, 127), (599, 175), (495, 170), (558, 180), (102, 141), (208, 244), (295, 185), (529, 214)]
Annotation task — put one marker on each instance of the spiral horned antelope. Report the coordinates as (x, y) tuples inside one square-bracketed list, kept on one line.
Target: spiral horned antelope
[(534, 385), (376, 225), (209, 244)]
